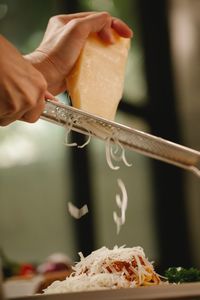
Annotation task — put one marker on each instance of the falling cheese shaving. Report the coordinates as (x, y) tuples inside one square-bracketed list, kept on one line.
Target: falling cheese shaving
[(108, 155), (75, 212), (69, 127), (115, 154), (122, 204)]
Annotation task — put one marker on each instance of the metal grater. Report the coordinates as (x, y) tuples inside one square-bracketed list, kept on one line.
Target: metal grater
[(128, 137)]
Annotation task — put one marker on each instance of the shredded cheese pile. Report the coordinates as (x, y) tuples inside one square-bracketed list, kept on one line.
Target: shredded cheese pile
[(119, 267)]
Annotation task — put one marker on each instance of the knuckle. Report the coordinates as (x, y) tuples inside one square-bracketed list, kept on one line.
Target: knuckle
[(4, 123), (38, 92), (31, 119), (12, 108), (58, 19), (33, 113), (27, 102), (38, 96), (106, 14), (74, 23), (42, 87), (32, 102), (53, 19), (78, 26)]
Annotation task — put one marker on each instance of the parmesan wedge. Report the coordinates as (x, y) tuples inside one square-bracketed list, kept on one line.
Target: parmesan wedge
[(96, 82)]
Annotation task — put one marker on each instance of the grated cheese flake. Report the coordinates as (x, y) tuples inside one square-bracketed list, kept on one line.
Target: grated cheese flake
[(76, 212), (122, 204)]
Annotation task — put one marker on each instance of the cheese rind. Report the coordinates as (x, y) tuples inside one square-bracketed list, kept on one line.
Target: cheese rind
[(96, 82)]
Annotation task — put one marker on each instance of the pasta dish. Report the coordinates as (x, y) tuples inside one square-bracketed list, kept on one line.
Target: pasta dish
[(119, 267)]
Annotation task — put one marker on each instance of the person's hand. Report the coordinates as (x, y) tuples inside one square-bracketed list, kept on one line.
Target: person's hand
[(63, 40), (22, 87)]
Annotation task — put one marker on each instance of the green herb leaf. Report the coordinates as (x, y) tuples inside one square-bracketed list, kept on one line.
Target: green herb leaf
[(179, 275)]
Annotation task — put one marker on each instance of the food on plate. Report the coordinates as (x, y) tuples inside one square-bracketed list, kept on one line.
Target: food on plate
[(96, 82), (180, 275), (105, 268), (54, 263)]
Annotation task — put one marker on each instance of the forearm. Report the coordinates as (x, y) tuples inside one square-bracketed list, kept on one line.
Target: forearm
[(22, 87)]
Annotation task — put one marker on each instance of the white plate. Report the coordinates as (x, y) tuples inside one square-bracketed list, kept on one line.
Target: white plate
[(182, 291)]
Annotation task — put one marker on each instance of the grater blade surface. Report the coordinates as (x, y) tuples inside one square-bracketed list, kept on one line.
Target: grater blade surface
[(128, 137)]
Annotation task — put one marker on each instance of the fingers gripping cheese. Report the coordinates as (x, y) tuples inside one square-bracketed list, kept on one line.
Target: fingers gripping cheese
[(96, 82)]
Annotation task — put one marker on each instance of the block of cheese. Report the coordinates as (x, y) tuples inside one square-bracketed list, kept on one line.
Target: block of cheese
[(96, 82)]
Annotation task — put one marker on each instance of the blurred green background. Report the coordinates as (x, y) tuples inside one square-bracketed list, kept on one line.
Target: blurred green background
[(36, 170)]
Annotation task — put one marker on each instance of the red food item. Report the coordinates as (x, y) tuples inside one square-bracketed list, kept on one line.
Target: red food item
[(119, 266), (26, 269), (53, 267)]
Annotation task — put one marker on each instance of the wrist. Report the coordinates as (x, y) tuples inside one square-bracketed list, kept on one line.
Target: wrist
[(42, 63)]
